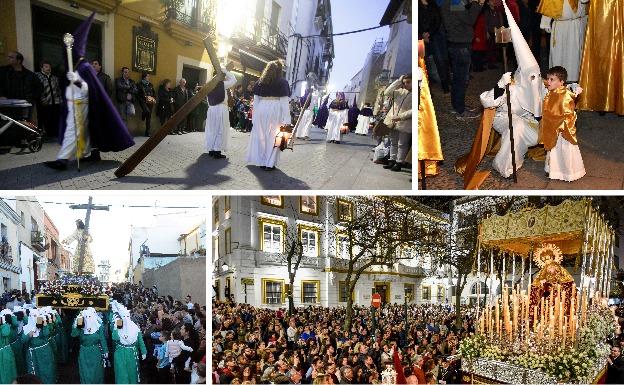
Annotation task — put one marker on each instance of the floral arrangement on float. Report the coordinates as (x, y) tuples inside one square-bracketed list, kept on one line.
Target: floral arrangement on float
[(83, 285)]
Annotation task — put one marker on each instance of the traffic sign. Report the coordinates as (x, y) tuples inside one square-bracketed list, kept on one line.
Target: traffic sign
[(376, 300)]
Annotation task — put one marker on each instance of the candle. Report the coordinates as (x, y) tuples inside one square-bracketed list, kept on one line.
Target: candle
[(565, 324), (561, 313), (496, 317), (515, 315)]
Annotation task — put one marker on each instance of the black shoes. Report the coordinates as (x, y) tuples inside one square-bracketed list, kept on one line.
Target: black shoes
[(397, 166), (216, 154), (59, 164), (93, 157), (389, 165)]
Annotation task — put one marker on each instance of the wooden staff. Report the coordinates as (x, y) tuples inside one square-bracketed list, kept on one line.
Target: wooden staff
[(177, 118), (511, 135)]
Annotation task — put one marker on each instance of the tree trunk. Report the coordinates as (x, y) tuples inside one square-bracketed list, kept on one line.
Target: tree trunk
[(347, 325), (291, 299), (460, 289)]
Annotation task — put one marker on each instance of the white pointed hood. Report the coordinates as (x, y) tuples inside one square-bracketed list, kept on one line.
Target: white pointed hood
[(92, 322), (528, 79), (31, 326)]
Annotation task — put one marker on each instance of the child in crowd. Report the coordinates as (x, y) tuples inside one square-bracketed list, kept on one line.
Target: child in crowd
[(175, 346), (558, 124)]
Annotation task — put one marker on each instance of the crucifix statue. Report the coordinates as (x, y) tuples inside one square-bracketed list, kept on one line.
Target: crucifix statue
[(83, 259)]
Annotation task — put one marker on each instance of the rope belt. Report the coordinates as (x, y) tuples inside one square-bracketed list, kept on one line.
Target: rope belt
[(4, 347), (38, 347), (270, 97)]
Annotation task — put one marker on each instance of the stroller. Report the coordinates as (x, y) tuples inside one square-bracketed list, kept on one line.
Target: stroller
[(21, 133)]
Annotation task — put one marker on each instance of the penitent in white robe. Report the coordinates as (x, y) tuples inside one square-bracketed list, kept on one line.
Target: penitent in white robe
[(567, 38), (335, 120), (303, 130), (269, 113), (77, 111), (525, 130), (217, 125), (363, 124)]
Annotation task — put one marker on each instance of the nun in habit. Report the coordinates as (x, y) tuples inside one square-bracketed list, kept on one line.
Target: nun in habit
[(303, 131), (218, 119), (338, 115), (270, 111), (364, 119), (129, 346), (92, 347)]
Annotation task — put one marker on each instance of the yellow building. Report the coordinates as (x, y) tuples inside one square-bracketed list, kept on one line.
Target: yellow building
[(35, 28)]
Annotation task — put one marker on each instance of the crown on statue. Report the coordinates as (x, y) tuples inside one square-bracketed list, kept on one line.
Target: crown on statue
[(547, 252)]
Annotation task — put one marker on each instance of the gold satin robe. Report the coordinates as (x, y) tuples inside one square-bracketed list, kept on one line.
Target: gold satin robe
[(602, 68), (558, 117), (429, 147)]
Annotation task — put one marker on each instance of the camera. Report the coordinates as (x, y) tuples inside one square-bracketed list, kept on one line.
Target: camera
[(80, 322), (39, 322), (119, 323)]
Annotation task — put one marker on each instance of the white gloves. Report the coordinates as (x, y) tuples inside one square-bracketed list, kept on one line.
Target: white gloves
[(545, 24), (504, 80), (105, 355), (143, 357), (71, 76)]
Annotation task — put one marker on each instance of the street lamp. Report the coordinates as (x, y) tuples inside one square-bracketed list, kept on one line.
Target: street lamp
[(224, 267)]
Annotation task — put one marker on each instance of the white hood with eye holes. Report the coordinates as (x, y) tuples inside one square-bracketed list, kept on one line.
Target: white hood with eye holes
[(529, 86)]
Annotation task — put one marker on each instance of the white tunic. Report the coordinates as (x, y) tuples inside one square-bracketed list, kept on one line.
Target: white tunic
[(567, 39), (77, 97), (363, 124), (335, 120), (269, 113), (525, 130), (564, 161), (217, 125), (303, 130)]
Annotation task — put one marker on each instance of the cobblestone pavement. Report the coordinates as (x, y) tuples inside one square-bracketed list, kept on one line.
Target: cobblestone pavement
[(600, 137), (179, 162)]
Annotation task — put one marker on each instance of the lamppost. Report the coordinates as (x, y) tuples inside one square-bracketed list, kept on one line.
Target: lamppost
[(406, 318)]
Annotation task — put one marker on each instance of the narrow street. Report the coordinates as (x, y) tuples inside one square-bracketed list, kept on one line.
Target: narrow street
[(179, 162)]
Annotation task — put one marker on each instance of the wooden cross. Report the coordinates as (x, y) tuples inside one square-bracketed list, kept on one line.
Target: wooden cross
[(177, 118), (83, 239)]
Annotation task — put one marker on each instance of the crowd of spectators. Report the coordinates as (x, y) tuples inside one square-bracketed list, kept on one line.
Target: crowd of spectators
[(257, 345)]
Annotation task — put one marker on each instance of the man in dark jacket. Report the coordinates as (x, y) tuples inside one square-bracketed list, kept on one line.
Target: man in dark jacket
[(125, 90), (106, 81), (615, 366), (17, 82), (181, 95), (459, 21)]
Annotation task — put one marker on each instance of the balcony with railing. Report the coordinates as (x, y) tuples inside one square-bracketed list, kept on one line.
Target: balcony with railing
[(191, 24), (263, 34), (37, 240)]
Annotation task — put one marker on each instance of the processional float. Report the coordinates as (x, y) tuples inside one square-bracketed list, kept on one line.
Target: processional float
[(551, 324)]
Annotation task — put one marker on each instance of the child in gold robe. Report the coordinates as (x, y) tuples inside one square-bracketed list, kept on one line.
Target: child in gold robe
[(558, 126)]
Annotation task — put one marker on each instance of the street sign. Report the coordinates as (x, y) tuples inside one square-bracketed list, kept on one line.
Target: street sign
[(376, 301)]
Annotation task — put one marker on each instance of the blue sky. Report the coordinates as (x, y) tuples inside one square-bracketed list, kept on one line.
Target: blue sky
[(351, 50)]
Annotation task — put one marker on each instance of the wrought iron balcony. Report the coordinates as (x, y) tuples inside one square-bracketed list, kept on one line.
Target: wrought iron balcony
[(37, 240), (263, 33), (263, 258), (202, 17)]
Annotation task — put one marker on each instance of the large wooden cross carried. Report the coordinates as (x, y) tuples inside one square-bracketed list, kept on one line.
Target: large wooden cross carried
[(177, 118)]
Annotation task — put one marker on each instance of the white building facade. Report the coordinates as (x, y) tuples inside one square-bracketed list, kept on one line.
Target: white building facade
[(249, 267), (310, 45), (31, 238), (10, 267)]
